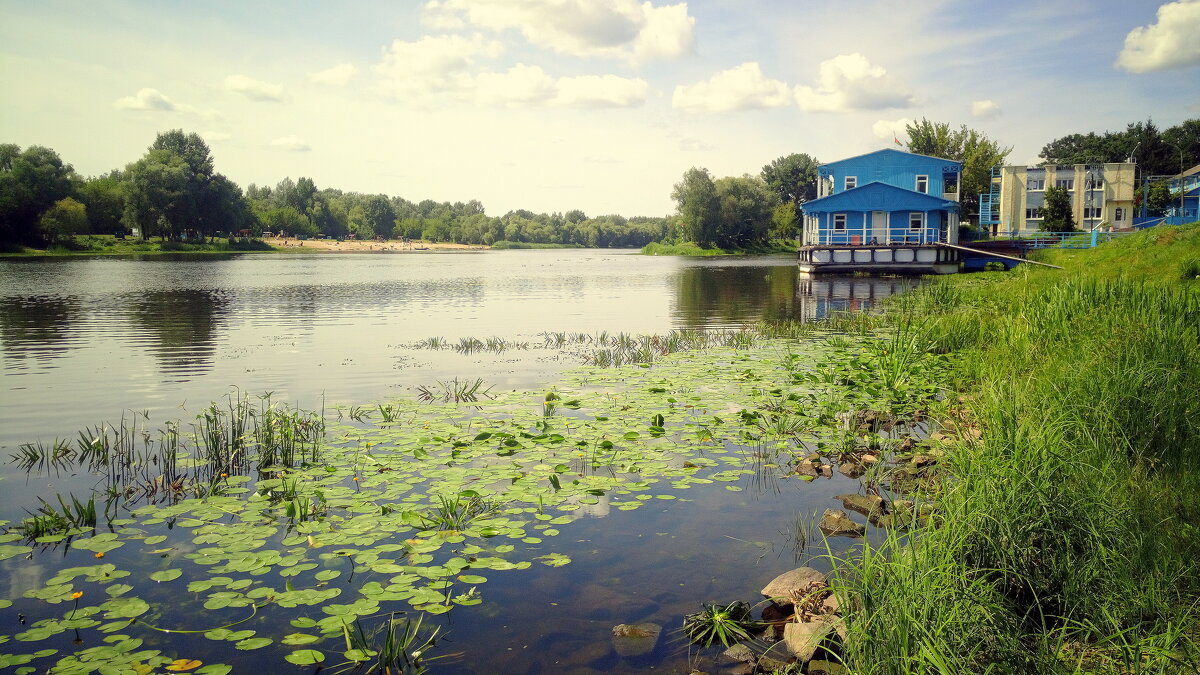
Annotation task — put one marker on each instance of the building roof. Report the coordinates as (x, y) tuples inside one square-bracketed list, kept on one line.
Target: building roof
[(877, 196), (890, 151)]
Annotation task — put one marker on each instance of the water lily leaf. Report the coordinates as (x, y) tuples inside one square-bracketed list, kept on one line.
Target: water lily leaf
[(300, 638), (182, 665), (253, 643), (166, 575), (472, 579), (305, 657)]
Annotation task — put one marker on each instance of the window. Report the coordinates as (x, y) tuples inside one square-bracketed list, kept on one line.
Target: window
[(1037, 183), (851, 182), (1119, 214), (839, 222), (1096, 183), (1065, 183), (1092, 211), (1033, 213), (916, 221), (923, 184)]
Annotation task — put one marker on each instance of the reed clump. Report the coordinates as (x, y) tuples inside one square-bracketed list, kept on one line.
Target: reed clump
[(1068, 538)]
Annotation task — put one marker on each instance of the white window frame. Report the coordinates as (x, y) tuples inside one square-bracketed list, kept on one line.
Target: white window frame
[(1037, 184), (1068, 183), (849, 183), (923, 179), (1092, 212), (1033, 213), (839, 222), (916, 218), (1119, 214)]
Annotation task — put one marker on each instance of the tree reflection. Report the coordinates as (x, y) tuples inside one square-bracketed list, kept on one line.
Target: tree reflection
[(38, 327), (712, 297), (183, 325)]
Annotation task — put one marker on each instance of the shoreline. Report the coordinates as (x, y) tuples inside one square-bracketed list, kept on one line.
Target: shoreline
[(292, 244)]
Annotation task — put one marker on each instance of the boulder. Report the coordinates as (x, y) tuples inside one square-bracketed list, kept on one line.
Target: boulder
[(635, 640), (868, 505), (835, 523), (786, 586), (825, 667), (803, 639), (851, 469), (740, 653)]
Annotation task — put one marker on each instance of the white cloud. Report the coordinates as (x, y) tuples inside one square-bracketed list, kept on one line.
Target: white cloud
[(446, 66), (291, 144), (1172, 42), (735, 89), (432, 65), (215, 136), (629, 29), (891, 129), (601, 91), (152, 100), (850, 82), (252, 89), (146, 99), (985, 109), (335, 75)]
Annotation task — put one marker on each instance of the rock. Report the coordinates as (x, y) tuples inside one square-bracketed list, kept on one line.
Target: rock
[(803, 639), (740, 653), (824, 667), (835, 523), (774, 613), (921, 461), (906, 446), (867, 505), (806, 468), (869, 459), (814, 457), (635, 640), (851, 469), (784, 587), (827, 470), (771, 663)]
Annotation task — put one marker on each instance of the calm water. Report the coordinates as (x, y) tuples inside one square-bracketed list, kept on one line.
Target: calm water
[(84, 341)]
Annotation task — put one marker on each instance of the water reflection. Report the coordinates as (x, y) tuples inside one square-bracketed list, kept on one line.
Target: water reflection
[(818, 298), (38, 327), (179, 327), (710, 296)]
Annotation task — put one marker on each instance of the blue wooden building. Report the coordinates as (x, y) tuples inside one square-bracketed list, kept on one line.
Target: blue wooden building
[(883, 211)]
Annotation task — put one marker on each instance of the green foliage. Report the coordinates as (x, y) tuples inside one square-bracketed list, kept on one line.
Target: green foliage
[(724, 624), (974, 149), (1155, 153), (31, 181), (1067, 530), (793, 178), (1057, 214), (65, 218), (697, 203), (784, 221), (745, 207)]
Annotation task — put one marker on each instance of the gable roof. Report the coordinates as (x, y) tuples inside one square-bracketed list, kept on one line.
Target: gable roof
[(890, 151), (877, 196)]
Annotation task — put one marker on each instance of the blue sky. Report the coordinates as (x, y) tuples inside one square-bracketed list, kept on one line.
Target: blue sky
[(553, 105)]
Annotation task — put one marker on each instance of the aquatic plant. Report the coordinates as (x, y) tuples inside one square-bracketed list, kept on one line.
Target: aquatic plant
[(726, 624), (458, 391), (455, 512)]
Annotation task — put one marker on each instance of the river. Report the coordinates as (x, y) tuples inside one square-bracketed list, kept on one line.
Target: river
[(88, 340)]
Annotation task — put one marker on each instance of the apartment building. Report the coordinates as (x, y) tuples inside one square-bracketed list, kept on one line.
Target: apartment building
[(1101, 196)]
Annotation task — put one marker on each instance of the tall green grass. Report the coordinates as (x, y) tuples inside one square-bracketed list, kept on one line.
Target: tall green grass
[(1068, 540)]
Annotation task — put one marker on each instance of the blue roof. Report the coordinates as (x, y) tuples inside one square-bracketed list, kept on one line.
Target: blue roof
[(876, 196), (890, 151)]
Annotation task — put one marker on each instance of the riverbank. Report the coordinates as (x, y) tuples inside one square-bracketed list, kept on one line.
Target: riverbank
[(689, 248), (99, 245), (1066, 536), (291, 244)]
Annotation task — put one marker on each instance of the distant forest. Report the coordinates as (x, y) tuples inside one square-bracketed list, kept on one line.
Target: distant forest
[(174, 192)]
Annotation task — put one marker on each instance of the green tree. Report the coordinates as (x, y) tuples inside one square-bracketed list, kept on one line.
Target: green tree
[(65, 218), (975, 150), (1057, 215), (378, 215), (744, 207), (104, 197), (696, 202), (784, 221), (792, 177), (158, 198), (31, 181)]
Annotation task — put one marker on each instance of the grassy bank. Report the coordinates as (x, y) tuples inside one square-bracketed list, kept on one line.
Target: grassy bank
[(694, 249), (109, 245), (1068, 537)]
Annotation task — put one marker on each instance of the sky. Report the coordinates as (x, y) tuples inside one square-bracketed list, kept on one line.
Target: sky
[(553, 105)]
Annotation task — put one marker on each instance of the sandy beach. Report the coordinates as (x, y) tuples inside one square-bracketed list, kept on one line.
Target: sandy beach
[(355, 246)]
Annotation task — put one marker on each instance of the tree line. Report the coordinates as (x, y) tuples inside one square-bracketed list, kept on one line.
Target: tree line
[(174, 192)]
